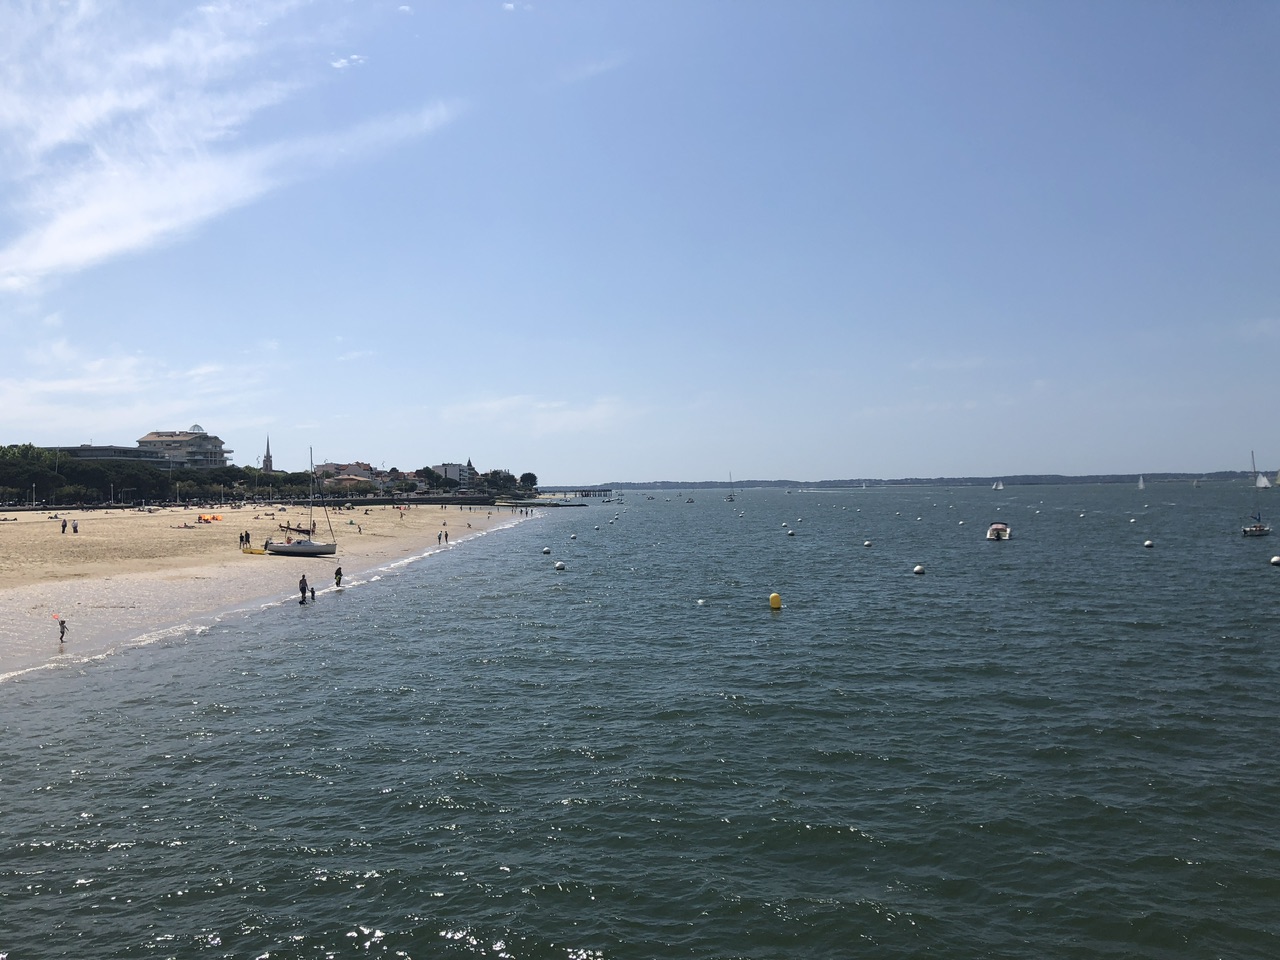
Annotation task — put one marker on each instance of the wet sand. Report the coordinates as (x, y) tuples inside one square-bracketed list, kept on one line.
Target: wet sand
[(128, 573)]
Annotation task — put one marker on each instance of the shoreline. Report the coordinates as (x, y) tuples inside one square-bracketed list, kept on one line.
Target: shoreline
[(128, 578)]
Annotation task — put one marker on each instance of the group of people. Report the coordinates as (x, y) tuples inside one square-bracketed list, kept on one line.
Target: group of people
[(245, 540), (75, 525), (306, 590)]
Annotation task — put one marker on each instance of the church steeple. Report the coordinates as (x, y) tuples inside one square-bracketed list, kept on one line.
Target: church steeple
[(266, 457)]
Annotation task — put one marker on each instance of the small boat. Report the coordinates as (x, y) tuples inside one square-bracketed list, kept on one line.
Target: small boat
[(301, 548), (998, 531), (304, 546), (998, 485), (729, 498), (1257, 528), (1142, 485)]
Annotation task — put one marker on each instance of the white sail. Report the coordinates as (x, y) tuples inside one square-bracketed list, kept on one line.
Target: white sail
[(1262, 483), (1141, 483)]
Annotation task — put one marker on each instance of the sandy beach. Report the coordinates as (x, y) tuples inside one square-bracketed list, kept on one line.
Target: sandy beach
[(128, 574)]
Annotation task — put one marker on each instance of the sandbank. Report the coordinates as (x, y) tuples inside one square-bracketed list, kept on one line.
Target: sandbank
[(129, 574)]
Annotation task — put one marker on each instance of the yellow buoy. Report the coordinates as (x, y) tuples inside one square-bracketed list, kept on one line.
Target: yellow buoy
[(775, 601)]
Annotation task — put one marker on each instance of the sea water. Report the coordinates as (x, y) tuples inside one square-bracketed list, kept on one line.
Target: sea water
[(1063, 745)]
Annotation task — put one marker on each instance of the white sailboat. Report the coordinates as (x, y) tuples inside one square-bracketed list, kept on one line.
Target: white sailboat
[(1257, 528), (730, 498), (998, 485), (307, 546), (1142, 485)]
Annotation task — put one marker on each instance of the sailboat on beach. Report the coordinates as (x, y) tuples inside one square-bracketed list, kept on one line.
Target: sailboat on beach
[(307, 546), (1257, 528)]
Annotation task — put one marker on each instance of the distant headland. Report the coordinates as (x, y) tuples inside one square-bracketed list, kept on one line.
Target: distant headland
[(1026, 479)]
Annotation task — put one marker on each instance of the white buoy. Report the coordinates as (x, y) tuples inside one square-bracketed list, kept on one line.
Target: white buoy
[(1133, 520), (962, 523), (559, 564), (573, 536), (702, 603), (1275, 561), (918, 569), (784, 523), (866, 543), (546, 549), (1147, 543), (791, 533), (597, 526)]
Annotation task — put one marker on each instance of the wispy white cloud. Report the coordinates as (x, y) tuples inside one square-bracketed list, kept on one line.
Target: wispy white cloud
[(117, 134), (591, 68), (59, 382), (539, 417), (343, 62)]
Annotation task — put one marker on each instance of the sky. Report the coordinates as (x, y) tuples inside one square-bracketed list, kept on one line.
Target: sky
[(670, 240)]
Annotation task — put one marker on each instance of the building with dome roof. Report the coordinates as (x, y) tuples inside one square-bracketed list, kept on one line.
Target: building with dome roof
[(188, 448)]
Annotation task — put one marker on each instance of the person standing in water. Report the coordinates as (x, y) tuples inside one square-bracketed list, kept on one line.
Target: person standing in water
[(302, 588), (337, 577), (62, 630)]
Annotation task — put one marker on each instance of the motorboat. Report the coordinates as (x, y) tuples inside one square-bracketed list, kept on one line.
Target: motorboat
[(998, 531)]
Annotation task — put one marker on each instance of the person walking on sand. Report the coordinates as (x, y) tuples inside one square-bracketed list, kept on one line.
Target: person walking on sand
[(64, 526), (75, 526), (337, 577), (302, 588)]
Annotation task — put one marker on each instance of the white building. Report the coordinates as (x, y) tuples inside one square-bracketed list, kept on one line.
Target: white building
[(465, 474), (187, 448)]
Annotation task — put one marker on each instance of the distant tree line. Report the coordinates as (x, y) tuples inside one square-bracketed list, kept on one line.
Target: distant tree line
[(28, 472)]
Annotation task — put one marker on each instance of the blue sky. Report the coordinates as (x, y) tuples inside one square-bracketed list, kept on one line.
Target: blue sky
[(668, 240)]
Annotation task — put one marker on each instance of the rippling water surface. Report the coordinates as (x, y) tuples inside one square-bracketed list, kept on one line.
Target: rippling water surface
[(1058, 746)]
